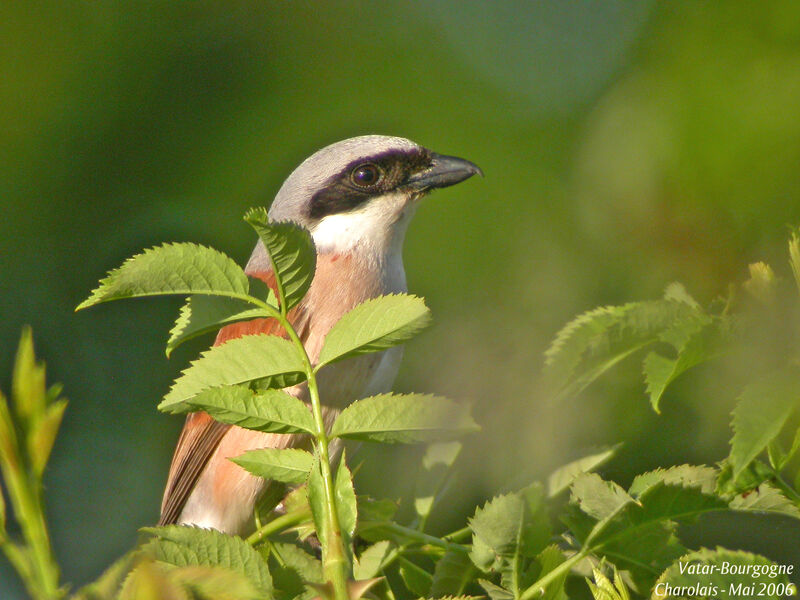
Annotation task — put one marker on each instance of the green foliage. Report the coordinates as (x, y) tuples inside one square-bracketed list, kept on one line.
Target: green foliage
[(452, 574), (271, 410), (416, 579), (203, 314), (288, 466), (346, 506), (561, 479), (507, 535), (765, 499), (110, 582), (375, 325), (192, 546), (604, 588), (270, 360), (794, 255), (318, 506), (702, 477), (292, 252), (699, 345), (28, 426), (599, 339), (518, 546), (294, 569), (371, 561), (180, 269), (763, 409), (408, 418), (438, 458)]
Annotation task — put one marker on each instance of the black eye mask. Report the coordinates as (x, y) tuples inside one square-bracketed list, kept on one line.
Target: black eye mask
[(353, 185)]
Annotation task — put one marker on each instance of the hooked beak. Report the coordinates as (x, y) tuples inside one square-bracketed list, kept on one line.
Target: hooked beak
[(443, 172)]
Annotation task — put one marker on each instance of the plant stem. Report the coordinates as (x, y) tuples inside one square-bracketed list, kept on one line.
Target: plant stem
[(279, 524), (786, 488), (41, 572), (34, 563), (335, 565), (424, 538), (462, 533), (538, 588), (35, 529)]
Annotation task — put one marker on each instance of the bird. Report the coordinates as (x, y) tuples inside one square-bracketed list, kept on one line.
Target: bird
[(356, 198)]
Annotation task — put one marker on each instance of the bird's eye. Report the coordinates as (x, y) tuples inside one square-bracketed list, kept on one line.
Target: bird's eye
[(366, 175)]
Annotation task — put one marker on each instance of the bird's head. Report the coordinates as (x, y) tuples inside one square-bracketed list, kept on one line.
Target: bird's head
[(361, 192)]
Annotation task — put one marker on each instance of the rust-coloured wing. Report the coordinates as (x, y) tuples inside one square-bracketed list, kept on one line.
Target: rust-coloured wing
[(201, 434)]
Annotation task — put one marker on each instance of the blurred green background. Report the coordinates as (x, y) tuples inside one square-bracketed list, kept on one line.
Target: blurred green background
[(625, 145)]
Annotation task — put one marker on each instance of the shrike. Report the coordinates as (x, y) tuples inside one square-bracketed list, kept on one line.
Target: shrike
[(356, 198)]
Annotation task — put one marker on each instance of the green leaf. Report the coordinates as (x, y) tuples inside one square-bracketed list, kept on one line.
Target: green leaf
[(273, 360), (700, 346), (661, 502), (499, 524), (42, 435), (417, 580), (514, 527), (638, 535), (438, 458), (285, 465), (710, 571), (768, 499), (370, 563), (536, 530), (762, 284), (308, 567), (346, 507), (172, 269), (214, 582), (792, 450), (148, 581), (597, 340), (317, 502), (371, 509), (794, 255), (271, 411), (409, 418), (185, 546), (702, 477), (296, 503), (2, 503), (753, 475), (598, 498), (296, 568), (676, 291), (562, 478), (202, 314), (375, 325), (567, 349), (547, 560), (604, 589), (482, 555), (28, 387), (495, 592), (8, 437), (374, 520), (109, 583), (451, 575), (292, 252), (762, 411)]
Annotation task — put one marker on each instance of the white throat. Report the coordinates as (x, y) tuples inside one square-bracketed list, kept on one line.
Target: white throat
[(377, 229)]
